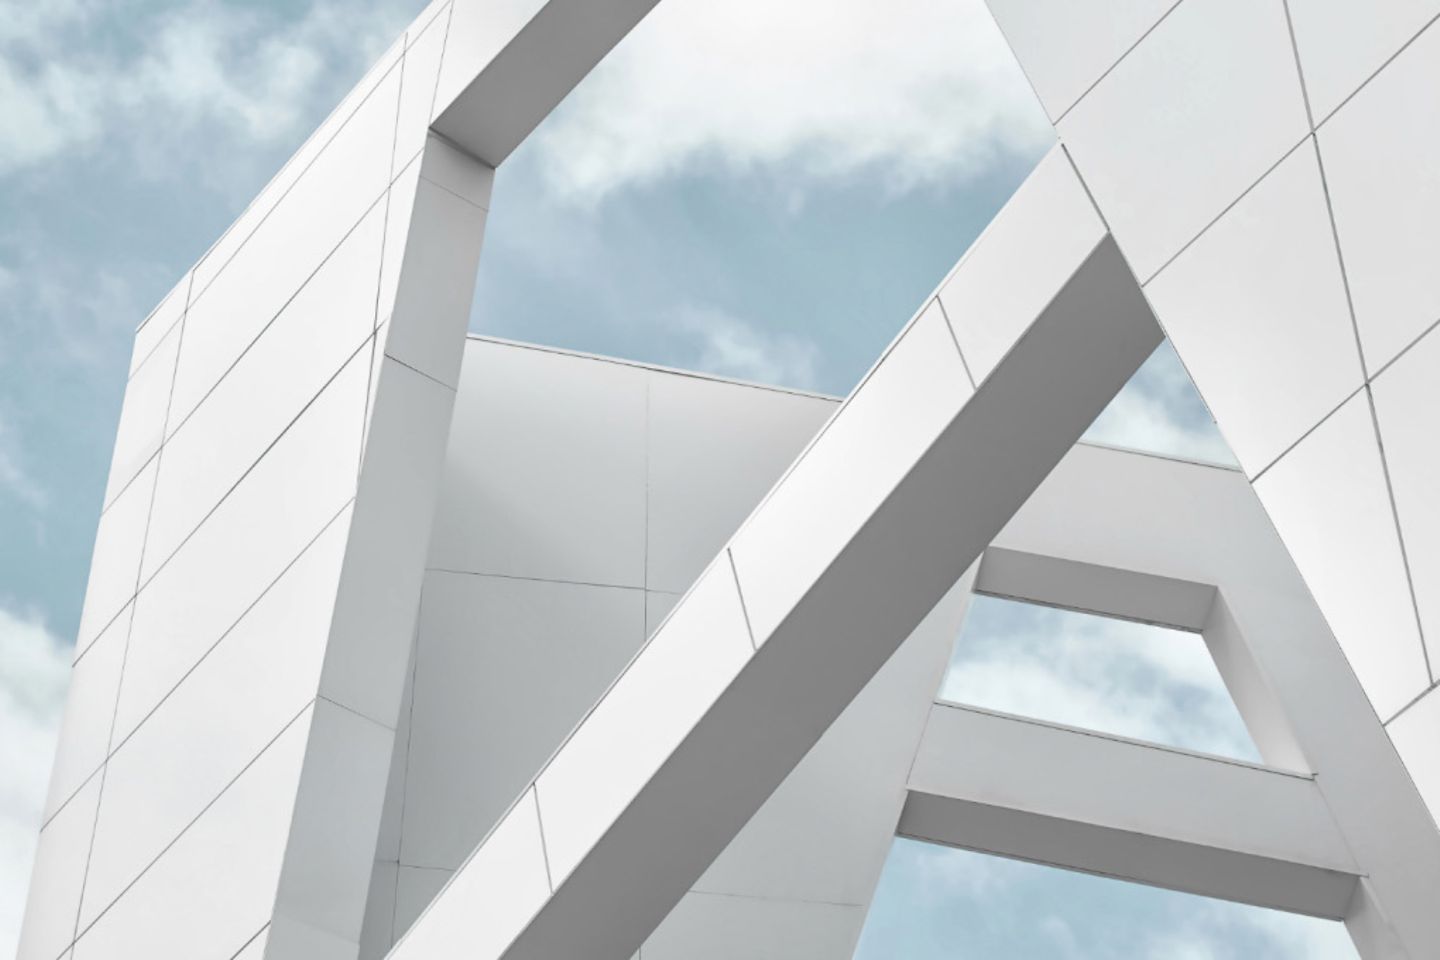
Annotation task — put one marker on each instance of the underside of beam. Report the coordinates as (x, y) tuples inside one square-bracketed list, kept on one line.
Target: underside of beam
[(1105, 805)]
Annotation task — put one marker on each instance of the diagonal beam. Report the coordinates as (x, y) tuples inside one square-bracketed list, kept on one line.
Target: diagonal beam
[(1137, 811), (892, 502)]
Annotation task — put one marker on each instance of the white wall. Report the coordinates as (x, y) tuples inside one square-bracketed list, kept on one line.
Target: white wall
[(246, 627)]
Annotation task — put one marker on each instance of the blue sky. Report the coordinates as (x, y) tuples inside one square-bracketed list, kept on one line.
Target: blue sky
[(763, 190)]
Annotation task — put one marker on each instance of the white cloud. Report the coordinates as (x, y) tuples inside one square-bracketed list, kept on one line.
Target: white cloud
[(728, 346), (1213, 930), (1124, 678), (32, 694), (904, 92), (204, 71), (14, 475)]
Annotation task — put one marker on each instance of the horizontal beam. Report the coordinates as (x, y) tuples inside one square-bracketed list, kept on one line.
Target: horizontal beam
[(1111, 592), (1140, 812)]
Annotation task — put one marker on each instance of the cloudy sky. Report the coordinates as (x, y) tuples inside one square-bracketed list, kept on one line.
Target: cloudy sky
[(758, 189)]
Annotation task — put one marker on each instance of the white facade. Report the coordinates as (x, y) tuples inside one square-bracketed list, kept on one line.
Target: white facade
[(344, 548)]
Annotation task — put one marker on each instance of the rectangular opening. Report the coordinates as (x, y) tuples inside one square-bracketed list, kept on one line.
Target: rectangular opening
[(1151, 683)]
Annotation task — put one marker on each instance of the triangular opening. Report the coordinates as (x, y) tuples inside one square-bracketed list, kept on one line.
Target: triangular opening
[(1160, 411)]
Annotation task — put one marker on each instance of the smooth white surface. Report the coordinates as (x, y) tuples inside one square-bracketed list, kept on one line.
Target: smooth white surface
[(417, 92), (1257, 309), (57, 878), (1066, 45), (437, 279), (1416, 734), (715, 449), (504, 670), (882, 430), (705, 926), (142, 417), (1024, 256), (115, 561), (506, 874), (293, 493), (255, 949), (1407, 406), (1379, 152), (642, 718), (348, 177), (160, 321), (269, 388), (1187, 122), (495, 480), (330, 849), (370, 639), (89, 709), (215, 887), (220, 718), (1327, 498), (400, 206), (1342, 43)]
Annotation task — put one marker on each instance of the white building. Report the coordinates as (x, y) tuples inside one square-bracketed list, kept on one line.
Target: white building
[(318, 706)]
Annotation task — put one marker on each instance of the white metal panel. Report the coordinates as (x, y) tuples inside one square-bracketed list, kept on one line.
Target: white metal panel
[(1343, 43), (504, 669), (58, 876), (592, 419), (268, 390), (297, 489), (1067, 45), (89, 709), (217, 721), (1257, 309), (1407, 408), (214, 888), (347, 179), (715, 449), (1329, 500), (1379, 152), (1183, 125)]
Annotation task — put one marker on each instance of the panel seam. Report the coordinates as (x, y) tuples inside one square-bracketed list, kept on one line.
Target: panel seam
[(1399, 532)]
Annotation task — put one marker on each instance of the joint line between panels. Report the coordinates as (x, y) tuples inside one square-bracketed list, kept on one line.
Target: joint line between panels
[(1399, 533), (540, 827), (740, 594), (1299, 67), (194, 820), (1378, 70), (945, 316), (1118, 60)]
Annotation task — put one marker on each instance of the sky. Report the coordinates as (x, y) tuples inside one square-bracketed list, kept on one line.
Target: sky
[(756, 189)]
